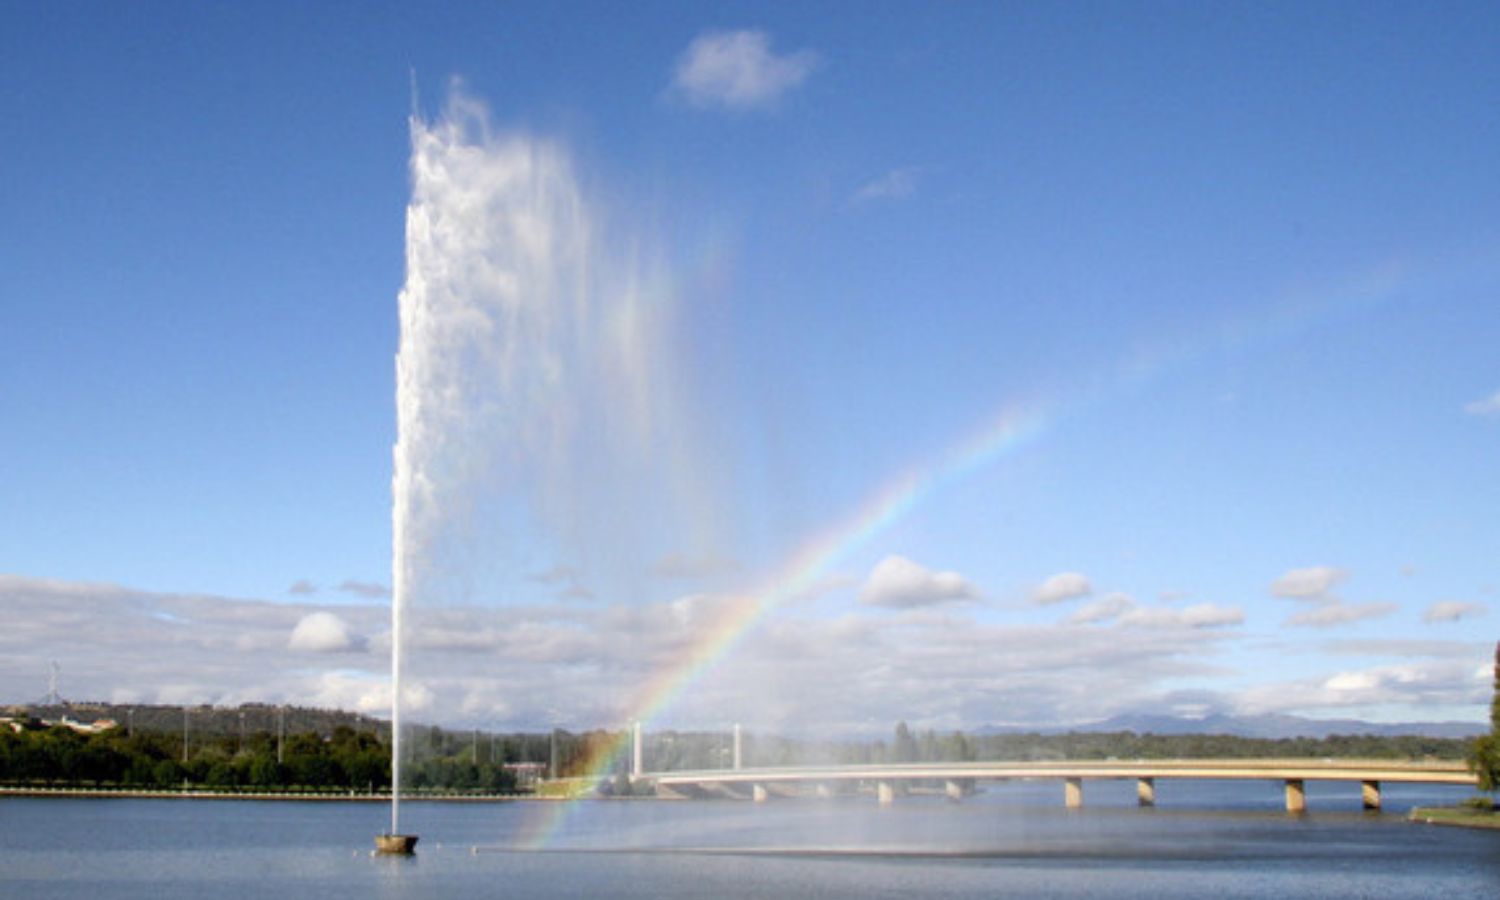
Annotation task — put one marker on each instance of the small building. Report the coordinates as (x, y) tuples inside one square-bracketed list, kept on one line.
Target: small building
[(94, 727), (527, 773)]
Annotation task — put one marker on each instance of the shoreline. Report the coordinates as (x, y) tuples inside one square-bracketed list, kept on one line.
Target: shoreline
[(210, 794), (1456, 817)]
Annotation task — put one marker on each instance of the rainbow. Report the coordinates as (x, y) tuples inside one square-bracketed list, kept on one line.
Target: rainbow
[(999, 436), (883, 509)]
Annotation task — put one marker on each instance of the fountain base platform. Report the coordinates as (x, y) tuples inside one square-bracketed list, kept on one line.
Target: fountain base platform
[(396, 844)]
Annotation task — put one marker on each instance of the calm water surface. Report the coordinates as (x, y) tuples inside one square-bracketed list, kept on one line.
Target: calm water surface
[(1204, 839)]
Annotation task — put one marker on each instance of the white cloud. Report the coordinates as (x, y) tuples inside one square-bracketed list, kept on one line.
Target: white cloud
[(324, 632), (1454, 682), (352, 690), (737, 70), (1108, 607), (949, 671), (1063, 586), (1404, 647), (587, 665), (1312, 583), (1337, 613), (154, 647), (893, 184), (1353, 681), (898, 582), (1489, 406), (1199, 615), (1452, 611), (367, 589), (1209, 615)]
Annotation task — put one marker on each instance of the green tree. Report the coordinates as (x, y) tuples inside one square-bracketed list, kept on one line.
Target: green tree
[(500, 781), (311, 770), (905, 747), (1484, 753), (221, 773), (368, 769), (957, 748), (167, 773), (265, 771)]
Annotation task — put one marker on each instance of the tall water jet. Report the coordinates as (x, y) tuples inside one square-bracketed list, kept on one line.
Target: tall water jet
[(537, 415)]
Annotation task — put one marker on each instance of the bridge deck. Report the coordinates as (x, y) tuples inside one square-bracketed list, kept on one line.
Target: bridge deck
[(1439, 772)]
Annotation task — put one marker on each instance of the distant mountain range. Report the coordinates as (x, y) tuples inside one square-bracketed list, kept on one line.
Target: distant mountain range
[(1269, 726)]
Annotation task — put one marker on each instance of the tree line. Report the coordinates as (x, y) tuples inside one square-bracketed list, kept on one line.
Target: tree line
[(345, 759), (58, 755), (215, 752)]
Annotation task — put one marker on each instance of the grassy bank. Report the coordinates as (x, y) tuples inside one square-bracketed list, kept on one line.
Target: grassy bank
[(1460, 816)]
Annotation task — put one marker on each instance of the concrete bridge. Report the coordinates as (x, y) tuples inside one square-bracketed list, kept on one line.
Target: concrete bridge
[(959, 778)]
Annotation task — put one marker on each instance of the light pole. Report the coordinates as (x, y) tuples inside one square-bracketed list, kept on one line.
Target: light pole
[(552, 754)]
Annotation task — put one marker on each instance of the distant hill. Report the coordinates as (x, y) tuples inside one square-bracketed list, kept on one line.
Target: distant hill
[(1270, 726)]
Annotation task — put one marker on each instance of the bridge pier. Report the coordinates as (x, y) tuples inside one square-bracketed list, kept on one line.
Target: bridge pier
[(1296, 796), (823, 791), (1073, 792), (957, 779), (1145, 791)]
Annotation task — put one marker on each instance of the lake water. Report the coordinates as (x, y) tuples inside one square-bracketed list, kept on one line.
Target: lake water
[(1203, 839)]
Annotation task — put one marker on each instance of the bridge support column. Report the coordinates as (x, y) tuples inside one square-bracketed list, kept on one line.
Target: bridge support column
[(738, 747), (758, 792), (1296, 796), (1145, 791), (1073, 792), (823, 791), (1370, 792), (885, 792), (636, 760), (953, 789)]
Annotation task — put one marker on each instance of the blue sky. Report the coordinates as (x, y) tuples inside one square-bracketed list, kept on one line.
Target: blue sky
[(1239, 261)]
